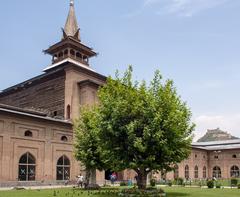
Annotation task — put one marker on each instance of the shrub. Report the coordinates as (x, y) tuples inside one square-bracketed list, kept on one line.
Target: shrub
[(135, 186), (153, 182), (92, 187), (238, 186), (210, 184), (234, 182), (170, 183), (123, 184), (19, 188), (179, 181), (218, 185)]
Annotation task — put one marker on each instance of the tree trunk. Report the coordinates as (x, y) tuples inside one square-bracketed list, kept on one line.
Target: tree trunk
[(87, 179), (90, 177), (93, 176), (142, 179)]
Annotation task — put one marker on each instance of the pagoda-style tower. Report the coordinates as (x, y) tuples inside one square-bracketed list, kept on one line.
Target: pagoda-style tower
[(70, 48)]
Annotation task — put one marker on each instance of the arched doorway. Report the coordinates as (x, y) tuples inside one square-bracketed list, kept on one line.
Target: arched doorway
[(27, 167), (63, 168), (108, 174), (217, 172), (234, 172), (196, 172)]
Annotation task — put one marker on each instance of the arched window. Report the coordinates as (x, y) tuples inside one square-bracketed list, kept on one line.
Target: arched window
[(85, 58), (196, 172), (55, 113), (72, 52), (79, 55), (204, 172), (27, 168), (60, 55), (28, 133), (66, 52), (55, 57), (176, 172), (234, 156), (186, 172), (68, 112), (234, 172), (217, 172), (63, 168), (64, 139)]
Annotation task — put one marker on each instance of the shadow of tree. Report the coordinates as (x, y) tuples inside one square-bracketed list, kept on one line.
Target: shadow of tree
[(176, 194)]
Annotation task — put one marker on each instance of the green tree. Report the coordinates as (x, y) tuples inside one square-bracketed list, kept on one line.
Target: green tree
[(144, 128), (86, 142), (139, 127)]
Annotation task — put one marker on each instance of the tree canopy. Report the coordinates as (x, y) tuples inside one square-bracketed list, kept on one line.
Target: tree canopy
[(87, 149), (138, 126)]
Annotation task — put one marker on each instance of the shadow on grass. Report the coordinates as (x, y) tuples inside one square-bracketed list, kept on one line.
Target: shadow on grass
[(101, 189), (176, 194)]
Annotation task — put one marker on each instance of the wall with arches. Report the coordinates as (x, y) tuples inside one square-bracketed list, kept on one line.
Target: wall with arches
[(45, 145), (203, 164), (225, 160)]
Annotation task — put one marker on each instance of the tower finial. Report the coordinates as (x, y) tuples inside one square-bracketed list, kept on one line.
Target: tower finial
[(71, 27)]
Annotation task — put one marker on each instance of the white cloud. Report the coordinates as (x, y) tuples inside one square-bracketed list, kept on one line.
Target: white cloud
[(229, 123), (184, 7)]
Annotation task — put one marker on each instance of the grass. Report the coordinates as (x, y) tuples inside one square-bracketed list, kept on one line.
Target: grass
[(171, 192), (51, 193), (197, 192)]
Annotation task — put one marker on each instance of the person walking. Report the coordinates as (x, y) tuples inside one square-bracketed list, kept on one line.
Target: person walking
[(80, 180), (113, 177)]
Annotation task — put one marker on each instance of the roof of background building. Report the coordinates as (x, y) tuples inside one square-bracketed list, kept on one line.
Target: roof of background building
[(218, 145), (216, 135)]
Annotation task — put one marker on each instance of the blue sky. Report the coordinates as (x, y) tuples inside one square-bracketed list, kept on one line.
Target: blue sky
[(194, 42)]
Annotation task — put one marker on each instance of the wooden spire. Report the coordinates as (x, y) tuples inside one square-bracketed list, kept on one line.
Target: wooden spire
[(71, 27)]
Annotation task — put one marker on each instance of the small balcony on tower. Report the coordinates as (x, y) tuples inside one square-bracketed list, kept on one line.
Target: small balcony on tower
[(70, 53)]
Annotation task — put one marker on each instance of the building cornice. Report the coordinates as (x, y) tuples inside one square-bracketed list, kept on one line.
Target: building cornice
[(45, 118)]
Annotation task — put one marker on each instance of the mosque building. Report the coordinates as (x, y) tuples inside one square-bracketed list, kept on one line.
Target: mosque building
[(36, 129)]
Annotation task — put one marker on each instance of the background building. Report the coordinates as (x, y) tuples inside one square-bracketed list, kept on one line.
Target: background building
[(219, 159)]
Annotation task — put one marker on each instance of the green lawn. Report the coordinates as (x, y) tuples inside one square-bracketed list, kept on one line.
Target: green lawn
[(46, 193), (197, 192), (171, 192)]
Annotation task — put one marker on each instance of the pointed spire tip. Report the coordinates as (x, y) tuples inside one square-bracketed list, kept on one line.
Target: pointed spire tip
[(71, 27)]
